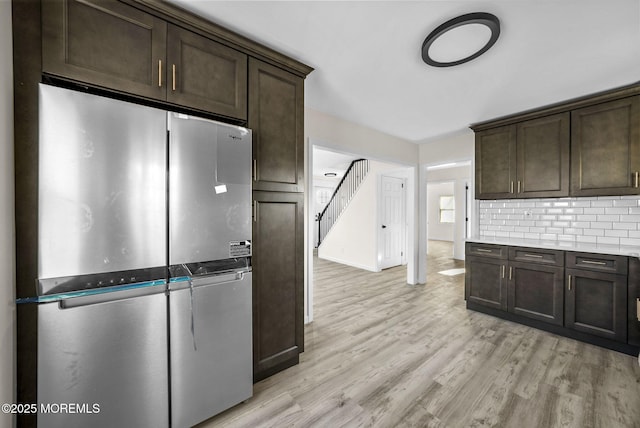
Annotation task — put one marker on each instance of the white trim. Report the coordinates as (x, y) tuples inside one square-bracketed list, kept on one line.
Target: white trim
[(309, 234), (355, 265)]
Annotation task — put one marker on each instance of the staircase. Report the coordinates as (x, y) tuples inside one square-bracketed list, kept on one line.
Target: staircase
[(347, 187)]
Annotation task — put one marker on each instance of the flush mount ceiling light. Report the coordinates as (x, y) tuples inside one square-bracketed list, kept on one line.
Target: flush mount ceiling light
[(461, 39)]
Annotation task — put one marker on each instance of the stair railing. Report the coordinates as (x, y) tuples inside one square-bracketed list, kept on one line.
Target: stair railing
[(341, 196)]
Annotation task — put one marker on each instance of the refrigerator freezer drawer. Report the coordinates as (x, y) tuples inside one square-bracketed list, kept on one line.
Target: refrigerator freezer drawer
[(211, 348), (111, 354)]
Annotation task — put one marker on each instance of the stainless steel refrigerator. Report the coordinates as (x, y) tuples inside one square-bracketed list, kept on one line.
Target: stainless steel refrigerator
[(144, 269)]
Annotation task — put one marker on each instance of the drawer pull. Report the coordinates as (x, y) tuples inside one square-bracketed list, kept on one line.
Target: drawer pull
[(535, 256), (173, 77), (482, 250), (594, 262)]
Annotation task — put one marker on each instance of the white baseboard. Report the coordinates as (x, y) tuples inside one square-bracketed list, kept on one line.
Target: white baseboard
[(348, 263)]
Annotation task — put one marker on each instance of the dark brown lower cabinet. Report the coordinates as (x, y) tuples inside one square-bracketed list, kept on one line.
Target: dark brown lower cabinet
[(536, 291), (485, 282), (586, 296), (278, 282), (596, 303), (633, 305)]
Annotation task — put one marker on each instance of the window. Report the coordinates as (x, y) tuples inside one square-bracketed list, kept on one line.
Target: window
[(447, 209)]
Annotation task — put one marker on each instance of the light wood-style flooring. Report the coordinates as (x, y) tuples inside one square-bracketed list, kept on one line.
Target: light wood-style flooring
[(381, 353)]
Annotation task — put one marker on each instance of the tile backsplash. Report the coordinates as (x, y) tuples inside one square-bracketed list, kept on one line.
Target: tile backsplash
[(600, 220)]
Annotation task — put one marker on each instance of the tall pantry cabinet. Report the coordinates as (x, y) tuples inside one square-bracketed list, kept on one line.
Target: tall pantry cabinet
[(154, 53), (276, 116)]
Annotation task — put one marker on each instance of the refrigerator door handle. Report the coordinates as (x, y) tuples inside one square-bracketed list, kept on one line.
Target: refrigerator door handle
[(217, 279), (94, 299)]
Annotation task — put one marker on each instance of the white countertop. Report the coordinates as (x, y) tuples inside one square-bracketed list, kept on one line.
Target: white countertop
[(620, 250)]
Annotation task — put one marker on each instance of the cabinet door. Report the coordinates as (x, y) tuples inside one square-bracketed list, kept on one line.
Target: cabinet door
[(496, 163), (633, 312), (596, 303), (605, 148), (206, 75), (278, 283), (105, 43), (276, 116), (543, 157), (536, 291), (485, 282)]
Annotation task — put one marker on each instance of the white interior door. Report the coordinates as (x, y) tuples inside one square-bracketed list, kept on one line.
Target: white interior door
[(392, 222)]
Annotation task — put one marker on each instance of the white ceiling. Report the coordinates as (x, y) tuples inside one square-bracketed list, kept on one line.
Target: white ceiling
[(368, 66), (325, 161)]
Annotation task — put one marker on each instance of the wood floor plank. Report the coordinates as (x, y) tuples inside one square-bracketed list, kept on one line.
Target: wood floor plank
[(381, 353)]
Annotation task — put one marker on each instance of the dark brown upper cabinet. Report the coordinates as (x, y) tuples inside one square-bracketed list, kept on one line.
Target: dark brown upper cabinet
[(276, 117), (496, 163), (105, 43), (605, 148), (112, 45), (588, 146), (542, 152), (206, 75), (526, 160)]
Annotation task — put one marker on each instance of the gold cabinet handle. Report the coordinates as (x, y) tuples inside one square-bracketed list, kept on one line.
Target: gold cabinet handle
[(518, 186), (160, 73), (569, 282), (173, 77), (535, 256), (636, 179), (510, 272), (638, 308), (511, 188), (255, 170), (255, 211), (503, 269), (482, 250)]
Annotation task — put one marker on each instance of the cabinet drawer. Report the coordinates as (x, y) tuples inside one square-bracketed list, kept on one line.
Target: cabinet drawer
[(537, 255), (486, 250), (597, 262)]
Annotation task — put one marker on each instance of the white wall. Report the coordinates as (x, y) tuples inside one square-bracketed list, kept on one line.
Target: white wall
[(348, 137), (435, 228), (353, 238), (452, 148), (7, 232)]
